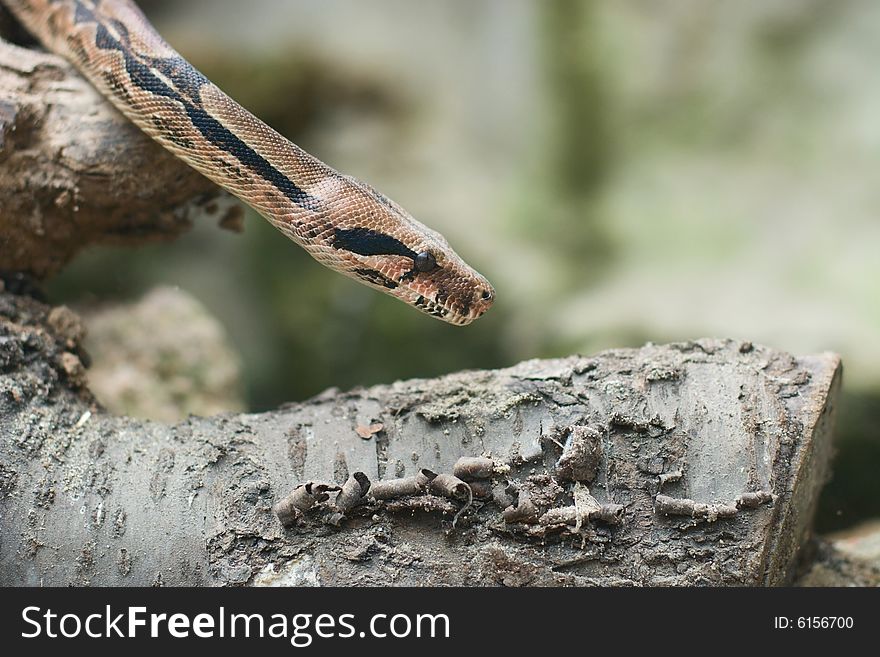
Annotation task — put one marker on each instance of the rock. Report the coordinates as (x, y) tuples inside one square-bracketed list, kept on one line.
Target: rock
[(163, 357)]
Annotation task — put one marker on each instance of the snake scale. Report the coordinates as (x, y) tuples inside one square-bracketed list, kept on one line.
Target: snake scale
[(342, 222)]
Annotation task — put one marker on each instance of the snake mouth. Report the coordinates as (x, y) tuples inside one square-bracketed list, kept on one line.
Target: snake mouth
[(434, 309), (455, 299), (451, 313)]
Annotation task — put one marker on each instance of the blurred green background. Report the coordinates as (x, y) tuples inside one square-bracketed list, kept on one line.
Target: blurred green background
[(621, 170)]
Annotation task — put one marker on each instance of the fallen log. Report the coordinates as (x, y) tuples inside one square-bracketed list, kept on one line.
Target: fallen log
[(682, 464)]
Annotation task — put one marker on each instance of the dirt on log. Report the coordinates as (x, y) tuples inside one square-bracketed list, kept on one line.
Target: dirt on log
[(75, 172), (679, 464)]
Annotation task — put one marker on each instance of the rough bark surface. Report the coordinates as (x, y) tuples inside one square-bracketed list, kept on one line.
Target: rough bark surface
[(736, 437), (75, 172)]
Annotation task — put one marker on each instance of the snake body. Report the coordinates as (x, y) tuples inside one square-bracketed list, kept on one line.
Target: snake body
[(342, 222)]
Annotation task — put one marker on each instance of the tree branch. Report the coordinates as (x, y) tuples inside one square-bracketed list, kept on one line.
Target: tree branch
[(679, 464), (75, 172)]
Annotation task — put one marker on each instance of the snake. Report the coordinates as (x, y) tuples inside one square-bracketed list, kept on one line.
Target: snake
[(342, 222)]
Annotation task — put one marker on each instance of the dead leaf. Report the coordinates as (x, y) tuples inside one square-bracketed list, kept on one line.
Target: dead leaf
[(368, 432)]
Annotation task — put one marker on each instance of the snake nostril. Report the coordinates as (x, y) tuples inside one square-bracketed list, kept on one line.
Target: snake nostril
[(486, 295)]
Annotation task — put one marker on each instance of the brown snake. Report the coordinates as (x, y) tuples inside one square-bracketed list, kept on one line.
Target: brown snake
[(343, 223)]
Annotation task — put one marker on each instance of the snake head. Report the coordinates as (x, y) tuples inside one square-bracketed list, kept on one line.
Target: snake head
[(439, 283), (382, 246)]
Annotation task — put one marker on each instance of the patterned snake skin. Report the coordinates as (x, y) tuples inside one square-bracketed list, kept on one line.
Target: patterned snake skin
[(342, 222)]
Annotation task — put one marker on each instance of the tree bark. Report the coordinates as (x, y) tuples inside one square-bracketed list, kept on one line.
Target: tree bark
[(688, 463)]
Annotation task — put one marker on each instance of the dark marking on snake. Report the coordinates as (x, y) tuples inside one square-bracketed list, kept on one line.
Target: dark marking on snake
[(120, 28), (374, 277), (182, 74), (231, 170), (364, 241), (430, 307), (82, 14), (463, 306), (210, 128), (171, 134), (118, 87)]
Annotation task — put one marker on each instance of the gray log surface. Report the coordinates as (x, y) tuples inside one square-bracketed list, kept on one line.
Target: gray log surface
[(716, 450)]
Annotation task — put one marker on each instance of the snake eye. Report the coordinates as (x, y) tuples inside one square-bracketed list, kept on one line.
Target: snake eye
[(425, 261)]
